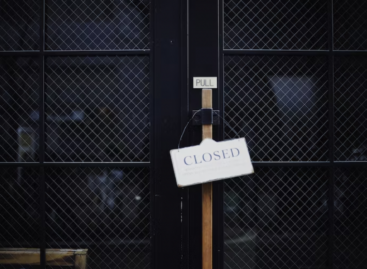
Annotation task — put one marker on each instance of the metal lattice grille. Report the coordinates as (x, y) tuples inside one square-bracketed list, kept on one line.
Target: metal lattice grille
[(279, 104), (350, 218), (18, 109), (19, 25), (97, 109), (276, 218), (19, 209), (97, 25), (269, 24), (104, 210), (350, 109), (350, 24)]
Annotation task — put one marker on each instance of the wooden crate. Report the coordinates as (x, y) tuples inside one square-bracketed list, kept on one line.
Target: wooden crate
[(54, 257)]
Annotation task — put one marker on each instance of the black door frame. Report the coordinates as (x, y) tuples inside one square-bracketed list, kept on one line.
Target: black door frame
[(206, 58)]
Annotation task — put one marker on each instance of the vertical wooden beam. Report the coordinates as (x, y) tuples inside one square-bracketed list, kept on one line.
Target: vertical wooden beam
[(80, 261), (207, 195)]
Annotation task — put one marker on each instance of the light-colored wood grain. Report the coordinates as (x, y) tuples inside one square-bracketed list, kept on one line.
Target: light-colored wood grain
[(80, 261), (207, 196), (29, 256)]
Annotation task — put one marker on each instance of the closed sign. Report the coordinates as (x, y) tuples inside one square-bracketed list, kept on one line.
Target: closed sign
[(211, 161)]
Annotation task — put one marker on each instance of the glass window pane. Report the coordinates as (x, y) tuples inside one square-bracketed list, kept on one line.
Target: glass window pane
[(269, 24), (350, 108), (97, 109), (19, 25), (103, 210), (19, 109), (97, 25), (279, 104), (277, 218)]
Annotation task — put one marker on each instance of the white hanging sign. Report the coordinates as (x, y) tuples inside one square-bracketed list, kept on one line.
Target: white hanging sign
[(211, 161), (205, 82)]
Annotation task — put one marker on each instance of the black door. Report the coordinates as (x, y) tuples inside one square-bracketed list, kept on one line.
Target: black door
[(292, 82), (90, 106), (94, 94)]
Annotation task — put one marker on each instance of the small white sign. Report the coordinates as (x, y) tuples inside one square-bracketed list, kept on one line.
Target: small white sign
[(211, 161), (205, 83)]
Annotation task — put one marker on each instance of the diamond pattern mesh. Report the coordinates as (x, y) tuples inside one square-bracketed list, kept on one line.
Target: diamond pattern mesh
[(18, 109), (19, 25), (97, 109), (269, 24), (350, 24), (350, 218), (103, 210), (350, 109), (279, 104), (19, 217), (276, 218), (97, 25)]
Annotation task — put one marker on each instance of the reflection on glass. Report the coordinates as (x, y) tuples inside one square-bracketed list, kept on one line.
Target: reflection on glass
[(19, 208), (97, 25), (350, 109), (19, 25), (277, 218), (104, 210), (18, 110), (279, 104), (97, 109)]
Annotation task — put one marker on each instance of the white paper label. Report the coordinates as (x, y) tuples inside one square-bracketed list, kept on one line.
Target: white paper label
[(205, 82), (211, 161)]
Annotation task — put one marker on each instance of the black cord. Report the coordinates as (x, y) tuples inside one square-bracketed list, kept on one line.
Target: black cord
[(187, 124)]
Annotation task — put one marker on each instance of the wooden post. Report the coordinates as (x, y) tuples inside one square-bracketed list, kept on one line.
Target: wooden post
[(207, 194)]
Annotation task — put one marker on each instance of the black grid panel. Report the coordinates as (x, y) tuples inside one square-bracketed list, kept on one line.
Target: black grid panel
[(18, 109), (269, 24), (97, 109), (97, 25), (19, 210), (350, 218), (19, 25), (104, 210), (350, 25), (279, 104), (350, 109), (277, 218)]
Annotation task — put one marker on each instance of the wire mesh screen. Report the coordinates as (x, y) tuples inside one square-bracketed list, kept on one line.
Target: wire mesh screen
[(269, 24), (18, 109), (97, 109), (276, 218), (97, 25), (350, 218), (19, 212), (279, 104), (104, 210), (19, 25), (350, 99), (350, 24)]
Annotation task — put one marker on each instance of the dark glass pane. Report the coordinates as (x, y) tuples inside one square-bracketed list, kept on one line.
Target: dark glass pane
[(103, 210), (19, 211), (97, 25), (279, 104), (19, 24), (277, 218), (269, 24), (350, 109), (19, 109), (97, 109), (350, 209), (350, 25)]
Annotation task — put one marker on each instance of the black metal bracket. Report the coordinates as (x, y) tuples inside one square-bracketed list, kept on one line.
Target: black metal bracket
[(206, 116)]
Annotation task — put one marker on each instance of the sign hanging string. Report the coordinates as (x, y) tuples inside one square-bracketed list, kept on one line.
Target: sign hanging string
[(187, 124)]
